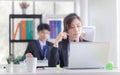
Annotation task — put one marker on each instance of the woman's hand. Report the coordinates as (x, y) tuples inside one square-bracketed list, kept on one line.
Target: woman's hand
[(62, 35)]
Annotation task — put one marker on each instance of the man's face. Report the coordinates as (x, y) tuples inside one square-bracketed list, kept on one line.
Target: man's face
[(43, 34)]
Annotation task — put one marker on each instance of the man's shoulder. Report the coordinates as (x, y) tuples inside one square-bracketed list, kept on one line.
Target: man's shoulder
[(33, 42)]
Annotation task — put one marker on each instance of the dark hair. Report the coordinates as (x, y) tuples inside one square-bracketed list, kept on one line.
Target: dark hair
[(43, 26), (68, 20)]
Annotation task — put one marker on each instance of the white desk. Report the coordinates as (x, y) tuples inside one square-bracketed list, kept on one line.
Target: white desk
[(54, 71)]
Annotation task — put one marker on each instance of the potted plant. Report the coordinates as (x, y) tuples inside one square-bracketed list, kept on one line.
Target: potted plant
[(16, 63), (24, 6)]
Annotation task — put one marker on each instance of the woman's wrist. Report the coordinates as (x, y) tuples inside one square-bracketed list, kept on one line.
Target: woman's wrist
[(55, 44)]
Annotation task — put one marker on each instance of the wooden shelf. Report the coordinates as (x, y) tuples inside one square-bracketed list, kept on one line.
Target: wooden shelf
[(12, 41), (25, 16), (12, 18)]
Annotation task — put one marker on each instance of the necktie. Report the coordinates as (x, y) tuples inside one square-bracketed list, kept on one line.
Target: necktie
[(44, 52)]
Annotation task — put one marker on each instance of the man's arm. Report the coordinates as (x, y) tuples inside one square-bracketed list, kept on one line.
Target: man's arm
[(28, 52)]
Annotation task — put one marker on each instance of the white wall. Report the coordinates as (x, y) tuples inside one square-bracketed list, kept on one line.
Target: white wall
[(102, 14), (118, 30), (84, 11)]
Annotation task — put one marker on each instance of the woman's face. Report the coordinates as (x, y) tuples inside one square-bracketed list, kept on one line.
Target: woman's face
[(75, 29)]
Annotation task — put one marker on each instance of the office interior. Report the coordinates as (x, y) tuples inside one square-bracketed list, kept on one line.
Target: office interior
[(104, 15)]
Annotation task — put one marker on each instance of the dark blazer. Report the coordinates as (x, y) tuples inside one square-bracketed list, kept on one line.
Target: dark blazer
[(60, 54), (33, 47)]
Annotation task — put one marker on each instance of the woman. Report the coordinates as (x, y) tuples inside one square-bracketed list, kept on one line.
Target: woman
[(72, 32)]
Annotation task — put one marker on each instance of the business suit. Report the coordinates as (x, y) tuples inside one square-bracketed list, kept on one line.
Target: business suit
[(60, 54), (33, 47)]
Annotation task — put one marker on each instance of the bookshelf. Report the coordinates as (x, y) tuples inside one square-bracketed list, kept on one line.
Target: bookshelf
[(20, 40), (12, 40)]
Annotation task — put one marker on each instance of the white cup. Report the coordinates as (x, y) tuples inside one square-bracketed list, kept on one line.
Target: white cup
[(31, 64)]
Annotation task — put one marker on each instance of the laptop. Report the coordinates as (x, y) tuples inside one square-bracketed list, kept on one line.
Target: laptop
[(88, 55), (42, 63)]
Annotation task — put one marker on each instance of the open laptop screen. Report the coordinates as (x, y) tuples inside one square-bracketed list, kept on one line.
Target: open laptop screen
[(88, 54)]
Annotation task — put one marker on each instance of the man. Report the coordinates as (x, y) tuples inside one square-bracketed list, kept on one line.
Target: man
[(40, 48)]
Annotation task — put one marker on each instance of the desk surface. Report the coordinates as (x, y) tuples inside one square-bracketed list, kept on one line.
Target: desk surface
[(55, 71)]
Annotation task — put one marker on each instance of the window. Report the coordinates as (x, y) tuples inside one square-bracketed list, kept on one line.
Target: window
[(5, 10)]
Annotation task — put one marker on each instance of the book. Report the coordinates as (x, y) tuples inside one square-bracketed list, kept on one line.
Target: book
[(23, 30), (29, 30), (26, 30), (55, 28), (16, 31), (51, 23), (59, 26), (32, 30)]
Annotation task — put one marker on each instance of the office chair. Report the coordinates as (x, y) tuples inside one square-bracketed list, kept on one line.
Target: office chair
[(88, 33)]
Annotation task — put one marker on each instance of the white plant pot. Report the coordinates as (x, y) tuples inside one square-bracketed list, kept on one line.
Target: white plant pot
[(16, 67)]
